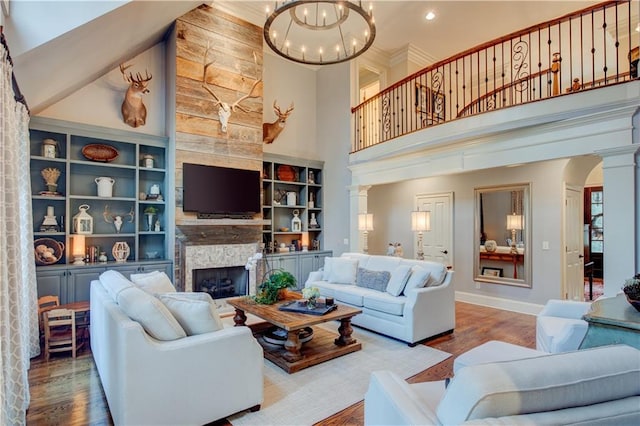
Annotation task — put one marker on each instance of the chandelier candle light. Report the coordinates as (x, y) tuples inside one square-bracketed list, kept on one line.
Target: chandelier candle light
[(319, 32), (420, 222)]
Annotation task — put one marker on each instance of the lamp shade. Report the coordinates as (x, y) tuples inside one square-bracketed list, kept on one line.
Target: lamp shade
[(420, 221), (365, 222), (78, 246), (515, 221)]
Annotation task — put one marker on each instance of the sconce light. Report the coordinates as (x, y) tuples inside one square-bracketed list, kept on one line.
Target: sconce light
[(420, 222), (365, 224), (78, 249), (515, 222)]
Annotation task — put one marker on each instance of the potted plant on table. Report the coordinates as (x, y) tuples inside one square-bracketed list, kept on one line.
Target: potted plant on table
[(275, 281)]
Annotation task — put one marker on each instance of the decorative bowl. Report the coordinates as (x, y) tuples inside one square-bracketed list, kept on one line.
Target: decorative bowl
[(47, 251), (634, 303), (284, 229), (151, 254), (100, 152)]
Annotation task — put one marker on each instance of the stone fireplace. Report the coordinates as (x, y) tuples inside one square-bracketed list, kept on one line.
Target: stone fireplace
[(217, 253)]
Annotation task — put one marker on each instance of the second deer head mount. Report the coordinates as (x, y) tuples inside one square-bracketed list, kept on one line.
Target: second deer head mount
[(270, 131), (134, 113), (225, 109)]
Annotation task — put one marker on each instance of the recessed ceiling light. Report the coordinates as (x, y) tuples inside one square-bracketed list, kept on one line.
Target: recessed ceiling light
[(430, 16)]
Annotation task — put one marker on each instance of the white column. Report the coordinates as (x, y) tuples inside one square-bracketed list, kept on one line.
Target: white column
[(357, 204), (620, 199)]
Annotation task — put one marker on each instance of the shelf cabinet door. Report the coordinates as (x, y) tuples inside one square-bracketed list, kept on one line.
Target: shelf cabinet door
[(79, 283), (52, 282), (287, 263), (311, 262)]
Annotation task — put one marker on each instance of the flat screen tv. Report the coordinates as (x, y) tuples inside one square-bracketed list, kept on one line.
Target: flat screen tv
[(220, 191)]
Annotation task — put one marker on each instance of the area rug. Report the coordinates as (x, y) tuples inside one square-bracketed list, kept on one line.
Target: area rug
[(317, 392)]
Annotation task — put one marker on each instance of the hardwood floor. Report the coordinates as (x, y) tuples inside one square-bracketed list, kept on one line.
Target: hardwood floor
[(67, 391)]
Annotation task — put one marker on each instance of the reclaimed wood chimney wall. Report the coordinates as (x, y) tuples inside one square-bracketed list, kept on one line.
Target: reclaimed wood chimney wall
[(199, 139)]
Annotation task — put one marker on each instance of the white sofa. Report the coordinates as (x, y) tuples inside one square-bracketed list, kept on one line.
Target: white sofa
[(411, 312), (191, 380), (553, 389)]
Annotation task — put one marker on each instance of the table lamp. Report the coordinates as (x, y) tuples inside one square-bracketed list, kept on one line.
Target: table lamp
[(420, 222), (365, 224), (78, 249), (515, 222)]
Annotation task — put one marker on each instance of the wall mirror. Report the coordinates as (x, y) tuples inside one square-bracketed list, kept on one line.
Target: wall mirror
[(502, 230)]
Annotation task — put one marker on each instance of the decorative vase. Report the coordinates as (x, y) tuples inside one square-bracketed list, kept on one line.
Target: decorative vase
[(633, 302), (490, 246), (149, 221), (103, 257), (121, 251), (50, 176)]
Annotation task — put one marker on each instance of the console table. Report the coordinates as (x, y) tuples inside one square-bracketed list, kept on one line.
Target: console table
[(504, 257), (612, 321)]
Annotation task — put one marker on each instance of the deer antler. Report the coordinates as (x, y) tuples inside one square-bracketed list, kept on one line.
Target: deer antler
[(206, 66), (107, 214), (139, 78), (123, 68), (249, 95)]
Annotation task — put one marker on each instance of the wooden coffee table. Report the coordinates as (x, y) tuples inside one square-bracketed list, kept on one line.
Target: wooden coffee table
[(293, 356)]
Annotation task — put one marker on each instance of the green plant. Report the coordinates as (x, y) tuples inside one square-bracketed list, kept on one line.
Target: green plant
[(632, 287), (275, 280), (150, 210)]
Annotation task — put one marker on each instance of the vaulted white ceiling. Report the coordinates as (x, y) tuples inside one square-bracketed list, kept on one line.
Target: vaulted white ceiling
[(51, 69)]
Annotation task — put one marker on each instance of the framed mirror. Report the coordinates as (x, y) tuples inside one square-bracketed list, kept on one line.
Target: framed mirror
[(502, 251)]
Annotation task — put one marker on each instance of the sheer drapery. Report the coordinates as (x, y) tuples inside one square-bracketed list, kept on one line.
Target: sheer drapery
[(18, 298)]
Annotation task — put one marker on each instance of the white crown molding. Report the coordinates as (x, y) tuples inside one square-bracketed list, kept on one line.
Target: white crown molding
[(411, 53)]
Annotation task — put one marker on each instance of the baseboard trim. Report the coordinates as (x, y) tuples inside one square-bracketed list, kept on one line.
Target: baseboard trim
[(499, 303)]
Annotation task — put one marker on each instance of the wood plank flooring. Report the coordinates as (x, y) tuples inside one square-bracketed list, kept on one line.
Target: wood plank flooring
[(65, 391)]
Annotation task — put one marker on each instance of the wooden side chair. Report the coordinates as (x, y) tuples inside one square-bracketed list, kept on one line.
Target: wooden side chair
[(45, 303), (59, 332)]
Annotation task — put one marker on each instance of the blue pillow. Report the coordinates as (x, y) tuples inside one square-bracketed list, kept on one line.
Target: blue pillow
[(375, 280)]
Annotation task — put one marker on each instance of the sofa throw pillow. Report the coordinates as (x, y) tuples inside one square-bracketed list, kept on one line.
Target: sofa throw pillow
[(195, 316), (399, 277), (156, 282), (375, 280), (114, 282), (152, 315), (418, 279), (342, 271)]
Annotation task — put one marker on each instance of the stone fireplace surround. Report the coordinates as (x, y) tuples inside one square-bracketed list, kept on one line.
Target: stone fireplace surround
[(222, 245)]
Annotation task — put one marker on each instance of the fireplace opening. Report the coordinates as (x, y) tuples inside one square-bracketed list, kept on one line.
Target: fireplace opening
[(221, 283)]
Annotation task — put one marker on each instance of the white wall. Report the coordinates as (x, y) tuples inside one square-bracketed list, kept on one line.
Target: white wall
[(99, 103), (287, 82)]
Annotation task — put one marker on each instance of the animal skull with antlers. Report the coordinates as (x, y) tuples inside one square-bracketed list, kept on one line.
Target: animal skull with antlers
[(134, 113), (117, 218), (270, 131), (224, 109)]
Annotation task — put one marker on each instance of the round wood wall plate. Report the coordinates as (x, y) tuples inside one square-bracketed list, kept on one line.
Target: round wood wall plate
[(286, 173), (100, 152)]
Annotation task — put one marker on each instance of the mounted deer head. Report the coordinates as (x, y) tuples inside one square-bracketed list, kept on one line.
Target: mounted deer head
[(134, 113), (270, 131), (224, 109)]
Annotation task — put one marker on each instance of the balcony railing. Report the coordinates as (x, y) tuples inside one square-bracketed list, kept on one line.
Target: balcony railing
[(594, 47)]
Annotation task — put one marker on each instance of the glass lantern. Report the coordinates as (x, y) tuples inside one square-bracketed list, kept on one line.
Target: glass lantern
[(296, 223), (83, 222)]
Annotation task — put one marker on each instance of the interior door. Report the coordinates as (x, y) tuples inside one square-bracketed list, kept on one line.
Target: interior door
[(573, 286), (438, 242)]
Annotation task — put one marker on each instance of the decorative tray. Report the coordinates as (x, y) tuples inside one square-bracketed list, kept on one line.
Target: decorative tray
[(47, 251), (100, 152), (294, 306), (286, 173)]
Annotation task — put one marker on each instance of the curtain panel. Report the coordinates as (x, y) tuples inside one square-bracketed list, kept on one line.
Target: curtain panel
[(19, 339)]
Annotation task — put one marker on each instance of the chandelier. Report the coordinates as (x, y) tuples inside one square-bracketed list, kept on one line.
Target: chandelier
[(319, 32)]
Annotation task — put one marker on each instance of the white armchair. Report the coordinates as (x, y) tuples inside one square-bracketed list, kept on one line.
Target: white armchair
[(560, 327)]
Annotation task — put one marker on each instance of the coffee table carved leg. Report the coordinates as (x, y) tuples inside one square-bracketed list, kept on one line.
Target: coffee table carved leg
[(292, 345), (345, 331), (240, 318)]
